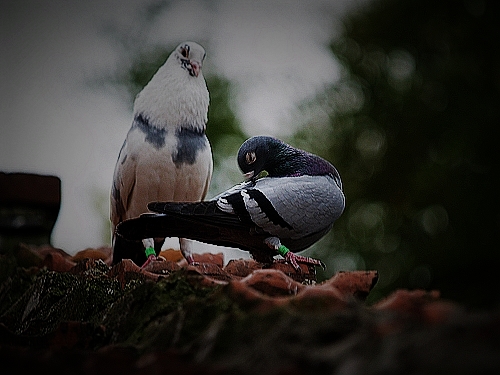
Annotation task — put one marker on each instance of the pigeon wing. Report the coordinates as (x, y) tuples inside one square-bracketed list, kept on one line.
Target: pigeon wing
[(201, 212), (123, 185), (294, 207)]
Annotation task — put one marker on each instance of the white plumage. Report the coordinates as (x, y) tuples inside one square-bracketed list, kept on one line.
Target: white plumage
[(166, 154)]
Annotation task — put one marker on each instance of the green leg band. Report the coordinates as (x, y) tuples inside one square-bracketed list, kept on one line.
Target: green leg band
[(282, 250), (150, 251)]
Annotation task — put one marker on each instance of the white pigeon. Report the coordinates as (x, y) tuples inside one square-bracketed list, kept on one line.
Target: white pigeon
[(166, 155)]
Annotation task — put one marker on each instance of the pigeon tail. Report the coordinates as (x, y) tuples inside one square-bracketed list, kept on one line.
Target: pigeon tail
[(199, 228)]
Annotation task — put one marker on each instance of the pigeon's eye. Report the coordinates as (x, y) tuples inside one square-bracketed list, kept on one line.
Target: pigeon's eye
[(250, 157), (185, 51)]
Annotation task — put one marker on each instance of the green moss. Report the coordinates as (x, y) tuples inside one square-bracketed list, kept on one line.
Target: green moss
[(158, 313), (14, 286), (52, 297)]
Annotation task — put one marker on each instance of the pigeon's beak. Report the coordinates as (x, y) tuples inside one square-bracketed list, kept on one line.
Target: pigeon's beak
[(248, 175), (194, 68)]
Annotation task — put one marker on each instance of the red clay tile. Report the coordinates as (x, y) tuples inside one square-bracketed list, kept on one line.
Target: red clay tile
[(251, 298), (242, 267), (315, 298), (353, 283), (104, 253), (172, 255), (56, 262), (407, 301), (307, 273), (121, 270), (163, 266), (217, 259), (211, 270), (272, 283)]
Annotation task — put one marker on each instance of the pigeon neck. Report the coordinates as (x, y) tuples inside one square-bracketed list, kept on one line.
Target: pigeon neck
[(300, 163)]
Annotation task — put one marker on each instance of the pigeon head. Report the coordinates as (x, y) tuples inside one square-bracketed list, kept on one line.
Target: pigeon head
[(278, 159), (263, 153), (254, 155), (177, 95), (190, 56)]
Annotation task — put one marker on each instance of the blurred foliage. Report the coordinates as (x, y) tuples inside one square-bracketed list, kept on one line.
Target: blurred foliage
[(410, 127)]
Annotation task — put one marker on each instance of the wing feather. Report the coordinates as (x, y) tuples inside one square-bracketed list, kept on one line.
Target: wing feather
[(304, 205), (123, 185)]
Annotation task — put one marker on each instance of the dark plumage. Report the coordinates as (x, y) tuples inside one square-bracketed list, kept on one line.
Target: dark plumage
[(290, 209)]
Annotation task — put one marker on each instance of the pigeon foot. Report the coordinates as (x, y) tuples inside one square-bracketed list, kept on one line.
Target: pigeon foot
[(295, 259), (151, 258), (151, 254), (292, 258)]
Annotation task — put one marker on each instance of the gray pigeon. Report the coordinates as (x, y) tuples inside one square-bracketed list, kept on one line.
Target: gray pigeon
[(286, 211), (166, 154)]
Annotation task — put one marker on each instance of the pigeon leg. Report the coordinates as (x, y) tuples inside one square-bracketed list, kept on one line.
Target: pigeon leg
[(186, 250), (150, 251), (292, 258)]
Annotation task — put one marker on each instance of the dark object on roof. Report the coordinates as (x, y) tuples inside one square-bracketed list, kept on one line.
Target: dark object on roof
[(29, 206)]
